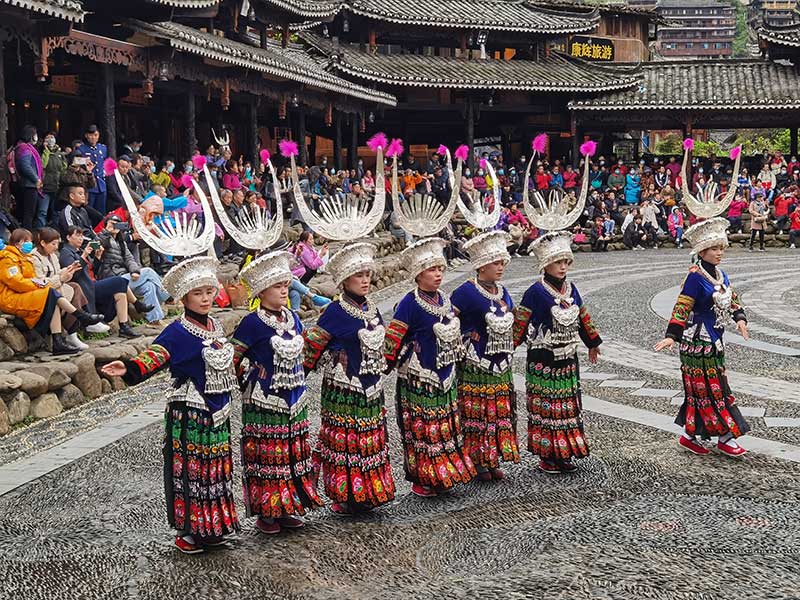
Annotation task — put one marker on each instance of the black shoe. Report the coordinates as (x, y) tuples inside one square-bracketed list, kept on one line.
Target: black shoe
[(126, 331), (87, 319), (142, 308), (61, 346)]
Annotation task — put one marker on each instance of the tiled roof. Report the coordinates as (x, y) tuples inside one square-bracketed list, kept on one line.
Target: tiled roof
[(293, 63), (556, 73), (705, 85), (491, 15), (186, 3), (70, 10), (610, 6), (785, 36)]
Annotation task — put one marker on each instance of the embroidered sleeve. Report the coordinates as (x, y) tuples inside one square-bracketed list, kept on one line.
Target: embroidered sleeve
[(393, 341), (737, 309), (317, 340), (588, 330), (145, 364), (683, 306), (522, 316)]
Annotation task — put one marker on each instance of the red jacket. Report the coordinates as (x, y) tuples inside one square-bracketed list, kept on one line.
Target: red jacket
[(570, 179), (542, 181), (782, 206), (794, 218)]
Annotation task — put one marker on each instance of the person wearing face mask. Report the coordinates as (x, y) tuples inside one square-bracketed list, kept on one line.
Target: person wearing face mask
[(160, 175), (54, 165), (616, 181), (33, 300), (28, 165)]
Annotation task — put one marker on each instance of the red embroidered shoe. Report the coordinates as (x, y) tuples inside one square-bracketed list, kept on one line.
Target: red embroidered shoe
[(266, 527), (497, 474), (187, 547), (568, 466), (734, 451), (291, 522), (693, 446), (422, 491), (212, 542), (549, 467)]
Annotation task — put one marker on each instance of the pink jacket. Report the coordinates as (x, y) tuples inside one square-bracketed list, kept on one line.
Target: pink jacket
[(309, 257), (231, 181)]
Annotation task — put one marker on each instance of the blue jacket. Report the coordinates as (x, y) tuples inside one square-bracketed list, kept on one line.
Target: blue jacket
[(98, 154)]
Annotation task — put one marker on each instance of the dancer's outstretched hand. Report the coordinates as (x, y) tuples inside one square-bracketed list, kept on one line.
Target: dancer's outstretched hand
[(594, 355), (114, 369), (741, 327), (667, 343)]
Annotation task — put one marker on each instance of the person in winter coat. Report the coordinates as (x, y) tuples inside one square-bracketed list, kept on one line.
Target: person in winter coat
[(114, 196), (675, 225), (33, 300), (78, 213), (570, 178), (28, 164), (54, 165), (632, 187), (737, 206)]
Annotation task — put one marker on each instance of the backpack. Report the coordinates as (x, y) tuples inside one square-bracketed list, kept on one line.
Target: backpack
[(11, 164)]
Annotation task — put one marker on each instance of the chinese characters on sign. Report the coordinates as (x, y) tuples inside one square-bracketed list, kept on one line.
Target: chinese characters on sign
[(589, 48)]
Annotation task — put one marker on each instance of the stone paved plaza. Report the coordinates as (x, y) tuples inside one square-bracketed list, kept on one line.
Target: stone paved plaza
[(641, 519)]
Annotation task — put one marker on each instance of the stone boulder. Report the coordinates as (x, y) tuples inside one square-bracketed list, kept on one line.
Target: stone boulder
[(19, 407), (9, 382), (15, 340), (112, 353), (70, 396), (87, 380), (32, 384), (324, 286), (46, 405), (56, 376), (6, 351), (5, 425), (105, 386)]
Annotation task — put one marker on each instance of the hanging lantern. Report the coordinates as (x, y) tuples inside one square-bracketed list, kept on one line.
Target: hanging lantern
[(329, 115), (282, 109)]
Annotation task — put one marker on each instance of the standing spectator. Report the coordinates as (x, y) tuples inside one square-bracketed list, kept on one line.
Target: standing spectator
[(662, 177), (632, 187), (758, 217), (117, 260), (28, 164), (98, 153), (54, 165), (745, 184), (794, 226), (675, 225), (78, 173)]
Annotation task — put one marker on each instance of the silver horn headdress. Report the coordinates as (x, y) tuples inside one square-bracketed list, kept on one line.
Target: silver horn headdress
[(422, 214), (706, 204), (184, 237), (222, 142), (254, 228), (479, 215), (337, 219), (550, 210)]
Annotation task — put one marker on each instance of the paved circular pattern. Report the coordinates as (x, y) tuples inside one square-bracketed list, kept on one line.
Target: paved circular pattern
[(641, 519)]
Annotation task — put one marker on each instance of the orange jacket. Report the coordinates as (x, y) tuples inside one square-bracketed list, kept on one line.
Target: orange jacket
[(19, 295)]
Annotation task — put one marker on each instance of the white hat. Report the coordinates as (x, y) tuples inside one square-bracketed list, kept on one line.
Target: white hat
[(487, 248), (350, 260), (267, 270), (707, 234), (191, 274), (422, 255), (552, 247)]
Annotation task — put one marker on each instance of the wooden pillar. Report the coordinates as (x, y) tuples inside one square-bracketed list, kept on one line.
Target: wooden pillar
[(505, 142), (108, 118), (301, 136), (285, 36), (262, 32), (576, 141), (312, 149), (337, 140), (254, 144), (352, 155), (792, 139), (190, 123), (3, 106), (469, 134)]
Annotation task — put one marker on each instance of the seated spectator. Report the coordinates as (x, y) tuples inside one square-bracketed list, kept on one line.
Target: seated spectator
[(616, 182), (598, 237), (662, 177), (78, 213), (397, 231), (298, 290), (368, 182), (160, 176), (232, 180), (117, 260), (635, 235), (632, 188), (794, 226), (32, 299), (47, 269), (110, 296), (570, 178), (675, 225), (542, 178), (556, 179), (309, 257), (467, 192), (114, 197), (781, 211), (632, 214)]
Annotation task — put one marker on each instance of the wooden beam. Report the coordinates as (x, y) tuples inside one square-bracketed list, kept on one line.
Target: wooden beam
[(190, 123), (337, 140), (352, 155)]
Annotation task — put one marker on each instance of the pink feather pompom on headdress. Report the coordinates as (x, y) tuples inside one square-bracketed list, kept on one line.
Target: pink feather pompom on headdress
[(264, 156), (442, 150), (288, 148), (736, 152), (483, 163), (109, 166), (688, 144), (395, 148), (378, 140), (539, 143), (588, 148), (199, 161), (187, 181), (462, 152)]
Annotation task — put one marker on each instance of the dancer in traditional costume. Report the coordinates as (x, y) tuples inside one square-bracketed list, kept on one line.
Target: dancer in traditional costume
[(552, 320), (705, 305), (486, 394), (198, 467), (424, 342), (353, 442), (277, 473)]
